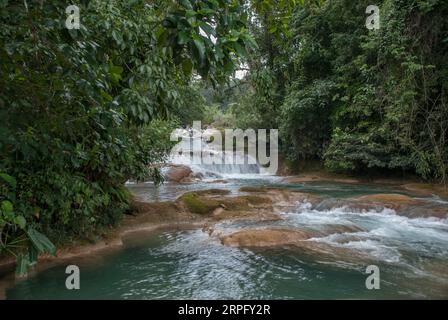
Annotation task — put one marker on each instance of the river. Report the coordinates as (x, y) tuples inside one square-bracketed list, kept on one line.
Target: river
[(410, 251)]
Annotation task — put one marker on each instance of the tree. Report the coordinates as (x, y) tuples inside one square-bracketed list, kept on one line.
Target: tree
[(85, 110)]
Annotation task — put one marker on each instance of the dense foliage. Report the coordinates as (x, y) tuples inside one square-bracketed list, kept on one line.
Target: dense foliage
[(357, 99), (85, 110)]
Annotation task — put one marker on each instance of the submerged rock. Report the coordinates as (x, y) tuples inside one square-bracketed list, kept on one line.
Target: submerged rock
[(430, 210), (266, 237), (217, 181), (259, 215), (402, 204), (195, 203), (212, 192), (426, 189), (341, 228), (321, 177), (392, 199), (304, 240), (283, 198), (216, 204), (156, 212), (271, 237)]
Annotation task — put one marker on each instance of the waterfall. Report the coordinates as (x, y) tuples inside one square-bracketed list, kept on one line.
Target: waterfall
[(208, 160)]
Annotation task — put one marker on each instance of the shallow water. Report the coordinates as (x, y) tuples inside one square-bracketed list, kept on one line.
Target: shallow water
[(170, 191), (412, 254)]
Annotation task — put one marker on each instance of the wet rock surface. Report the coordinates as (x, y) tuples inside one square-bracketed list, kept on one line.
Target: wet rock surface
[(303, 240), (399, 203), (178, 173), (266, 237)]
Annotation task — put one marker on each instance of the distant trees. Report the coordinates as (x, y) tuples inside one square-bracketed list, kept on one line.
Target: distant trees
[(357, 99)]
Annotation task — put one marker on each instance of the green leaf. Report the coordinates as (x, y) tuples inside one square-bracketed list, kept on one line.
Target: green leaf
[(8, 179), (190, 14), (182, 37), (115, 73), (22, 264), (240, 49), (229, 67), (187, 66), (106, 96), (41, 242), (201, 48), (186, 4), (33, 255), (20, 221), (7, 206)]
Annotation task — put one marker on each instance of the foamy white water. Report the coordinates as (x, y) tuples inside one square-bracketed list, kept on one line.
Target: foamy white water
[(384, 236)]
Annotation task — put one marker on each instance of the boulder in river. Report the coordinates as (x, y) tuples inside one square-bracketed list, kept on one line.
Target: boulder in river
[(398, 202), (426, 189), (216, 204), (283, 198), (266, 237), (271, 237), (176, 173), (389, 198), (403, 205), (306, 241)]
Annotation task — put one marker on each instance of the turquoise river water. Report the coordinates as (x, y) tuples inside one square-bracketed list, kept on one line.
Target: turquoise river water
[(411, 253)]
